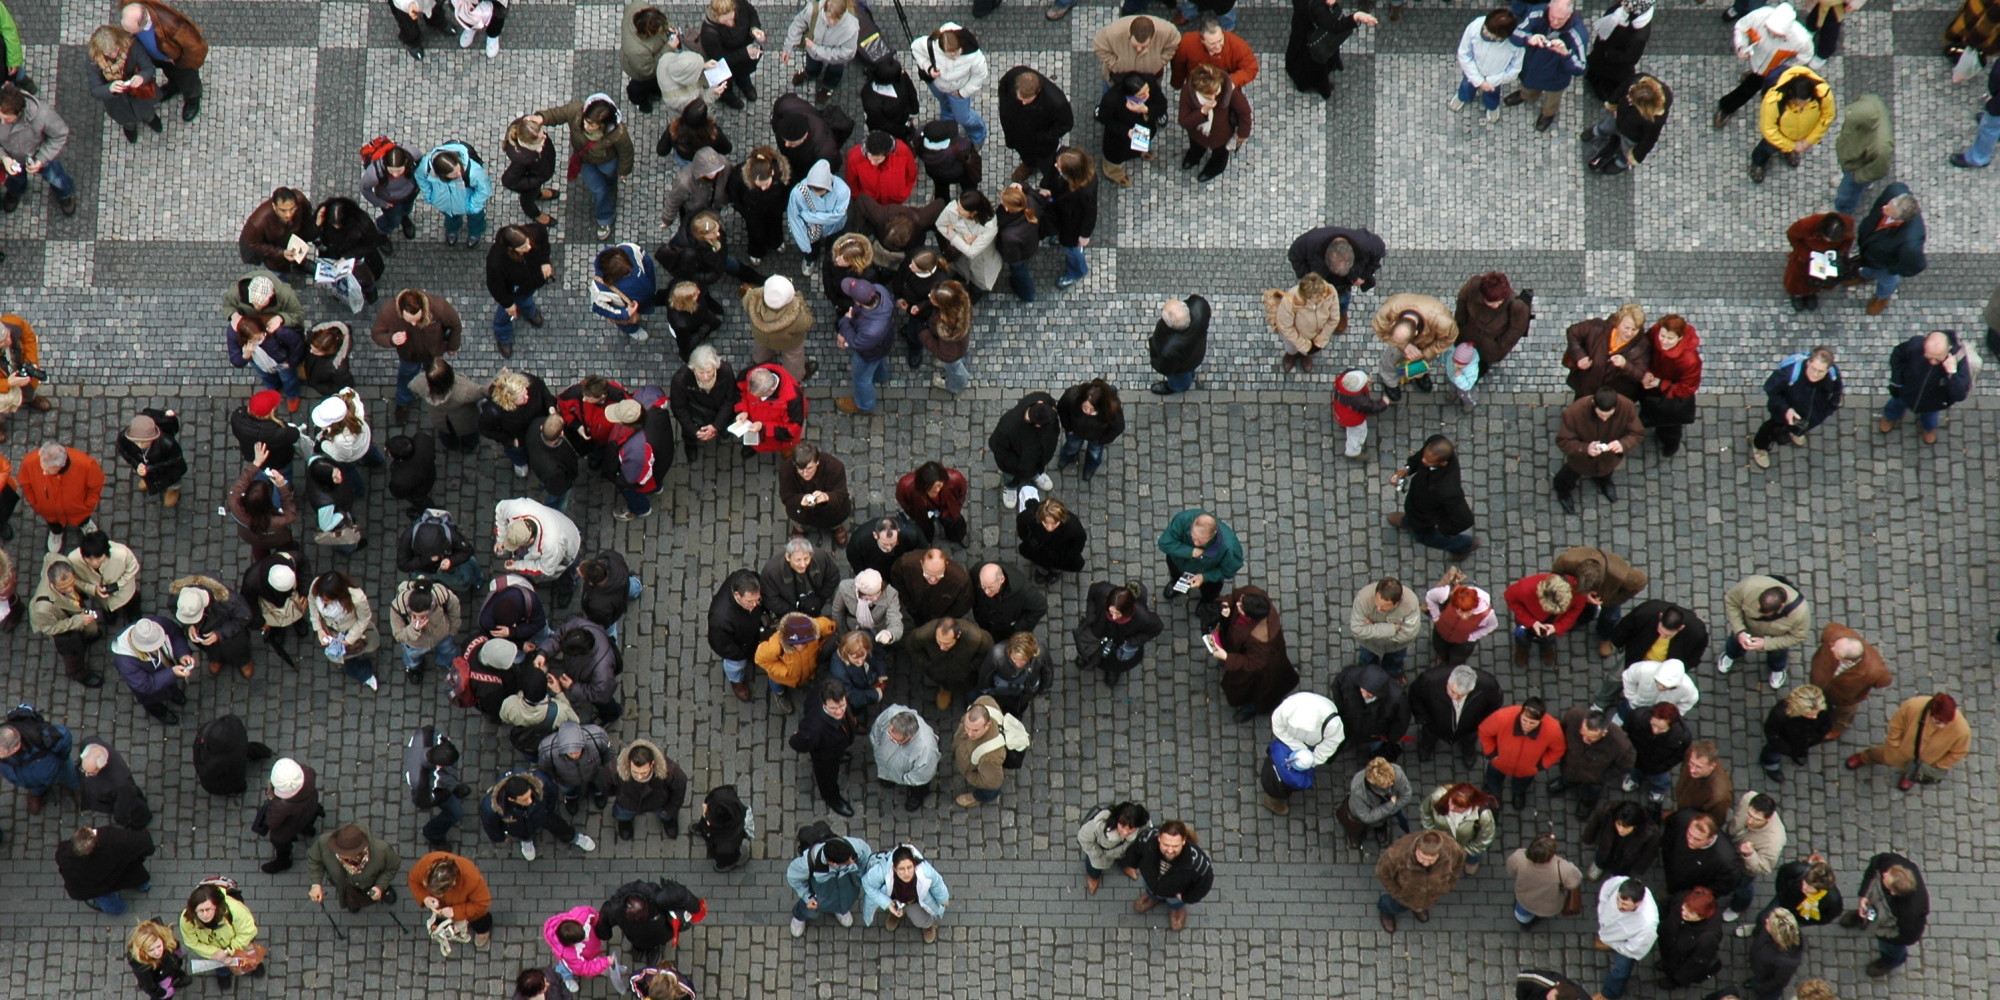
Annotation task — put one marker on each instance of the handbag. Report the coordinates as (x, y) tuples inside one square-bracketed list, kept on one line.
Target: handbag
[(260, 824), (1573, 903), (575, 168), (1322, 45), (246, 960), (1281, 762), (447, 932)]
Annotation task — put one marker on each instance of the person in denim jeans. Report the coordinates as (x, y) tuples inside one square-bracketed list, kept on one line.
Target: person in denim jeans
[(1894, 906), (830, 34), (517, 267), (420, 327), (948, 335), (1928, 373), (32, 135), (600, 151), (1979, 154), (1889, 244), (97, 862), (1175, 869), (1072, 206), (1106, 834), (1866, 149), (424, 619), (868, 330), (1416, 872), (455, 183), (388, 184), (1179, 343), (1628, 922), (950, 62), (979, 753), (1658, 745), (1092, 417)]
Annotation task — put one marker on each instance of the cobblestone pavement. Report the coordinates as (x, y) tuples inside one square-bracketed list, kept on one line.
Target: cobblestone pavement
[(1879, 530)]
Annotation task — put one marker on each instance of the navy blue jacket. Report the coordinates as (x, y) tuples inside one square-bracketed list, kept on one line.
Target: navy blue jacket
[(1925, 387)]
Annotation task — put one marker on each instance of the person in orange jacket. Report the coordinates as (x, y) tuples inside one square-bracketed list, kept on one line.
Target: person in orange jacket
[(1519, 742), (63, 487)]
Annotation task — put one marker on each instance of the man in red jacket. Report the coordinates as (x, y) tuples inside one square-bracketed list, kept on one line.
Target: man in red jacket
[(62, 486), (883, 168), (1519, 742)]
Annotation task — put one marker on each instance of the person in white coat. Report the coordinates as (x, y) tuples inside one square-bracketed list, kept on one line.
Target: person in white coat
[(1306, 732), (903, 883), (1488, 61), (1650, 682), (906, 753), (1628, 922), (1768, 41), (538, 542), (971, 230), (950, 61)]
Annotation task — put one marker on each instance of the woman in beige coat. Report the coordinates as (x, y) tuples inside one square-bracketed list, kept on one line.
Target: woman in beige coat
[(1305, 318), (1412, 328), (779, 320)]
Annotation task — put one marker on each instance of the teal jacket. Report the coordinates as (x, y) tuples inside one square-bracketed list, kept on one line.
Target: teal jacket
[(1219, 560)]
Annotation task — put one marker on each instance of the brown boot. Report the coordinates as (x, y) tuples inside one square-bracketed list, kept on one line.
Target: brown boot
[(1091, 885), (35, 804), (1177, 919), (740, 689), (1548, 656), (42, 403), (172, 498), (1116, 171), (1021, 173), (1520, 655), (1142, 904), (892, 921), (1278, 806), (248, 670), (1342, 326), (214, 667)]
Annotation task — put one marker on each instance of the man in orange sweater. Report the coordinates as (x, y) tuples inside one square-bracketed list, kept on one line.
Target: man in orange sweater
[(63, 487), (1519, 742), (1209, 44)]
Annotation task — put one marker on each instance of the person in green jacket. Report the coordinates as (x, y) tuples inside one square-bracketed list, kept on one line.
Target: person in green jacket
[(1198, 545), (217, 929), (16, 70), (359, 866), (602, 148), (1866, 150)]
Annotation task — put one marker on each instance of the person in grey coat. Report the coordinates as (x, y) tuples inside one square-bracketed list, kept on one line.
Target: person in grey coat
[(32, 136), (906, 753), (1106, 834), (867, 603), (1375, 795), (579, 757)]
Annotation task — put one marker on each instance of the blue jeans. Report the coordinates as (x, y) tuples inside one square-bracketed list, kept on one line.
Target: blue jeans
[(956, 377), (602, 180), (1616, 976), (1777, 658), (864, 374), (1885, 283), (1192, 13), (1606, 617), (285, 380), (1387, 906), (462, 576), (953, 108), (1346, 297), (1491, 783), (1180, 383), (1488, 99), (1072, 446), (474, 224), (1979, 154), (360, 668), (639, 504), (1091, 870), (993, 795), (392, 217), (1655, 783), (405, 371), (442, 654), (516, 454), (1391, 662), (1024, 281), (1892, 955), (60, 182), (1847, 200), (1522, 916), (113, 904), (829, 74), (1439, 540), (1740, 899), (1075, 268), (1894, 410), (449, 811), (801, 912), (735, 670), (503, 324)]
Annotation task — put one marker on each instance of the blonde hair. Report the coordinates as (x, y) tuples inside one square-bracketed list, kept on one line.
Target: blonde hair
[(1631, 310), (1554, 594), (1783, 928), (706, 226), (1053, 510), (506, 389), (1380, 772), (1816, 989), (857, 645), (1647, 97), (1805, 698), (855, 250), (685, 296), (526, 134), (144, 935), (1023, 645), (1313, 288), (1208, 79), (1014, 198), (109, 45)]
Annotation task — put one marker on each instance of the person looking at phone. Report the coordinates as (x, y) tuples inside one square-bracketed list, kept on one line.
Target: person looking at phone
[(1201, 553)]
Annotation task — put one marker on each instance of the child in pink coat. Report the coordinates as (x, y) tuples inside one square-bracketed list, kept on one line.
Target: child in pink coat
[(578, 951)]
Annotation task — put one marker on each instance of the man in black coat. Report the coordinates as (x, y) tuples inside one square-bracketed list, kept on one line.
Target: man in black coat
[(1374, 708), (803, 136), (434, 546), (1005, 602), (1643, 627), (880, 546), (801, 578), (1115, 629), (651, 914), (1346, 258), (1435, 509), (1928, 373), (1694, 852), (1034, 117), (824, 736), (1023, 443), (1889, 245), (1894, 906), (737, 622), (607, 588), (1179, 343), (96, 862), (1175, 869), (413, 470), (1450, 702), (554, 460), (108, 786)]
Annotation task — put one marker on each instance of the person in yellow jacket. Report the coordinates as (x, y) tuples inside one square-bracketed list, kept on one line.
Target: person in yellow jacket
[(1795, 115), (790, 656)]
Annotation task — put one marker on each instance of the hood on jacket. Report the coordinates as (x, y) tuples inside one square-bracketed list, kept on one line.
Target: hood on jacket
[(217, 593), (617, 113), (625, 759), (1690, 341), (339, 357), (820, 176), (707, 161), (499, 805), (1375, 679)]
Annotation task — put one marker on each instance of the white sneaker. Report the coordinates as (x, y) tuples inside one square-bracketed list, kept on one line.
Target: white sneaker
[(1725, 665), (1630, 784), (1010, 498), (1492, 115), (798, 927), (1731, 916), (373, 684), (640, 337), (493, 49), (1454, 103), (846, 919), (1746, 930), (465, 38), (1594, 873), (1777, 679), (584, 843), (528, 850), (520, 472), (1045, 482), (571, 983), (1028, 495)]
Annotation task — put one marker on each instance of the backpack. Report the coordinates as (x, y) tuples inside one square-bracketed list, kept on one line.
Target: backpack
[(38, 738), (374, 149), (812, 835), (433, 516), (1013, 736), (429, 785), (871, 47), (838, 122), (467, 671)]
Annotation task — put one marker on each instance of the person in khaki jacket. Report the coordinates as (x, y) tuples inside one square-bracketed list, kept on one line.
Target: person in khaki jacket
[(1138, 43), (1305, 318), (1927, 736), (1607, 582), (1416, 872), (980, 753), (1765, 613), (1846, 668), (779, 320)]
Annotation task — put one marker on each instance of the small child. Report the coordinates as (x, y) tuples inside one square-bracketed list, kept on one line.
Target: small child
[(1354, 401), (578, 951), (413, 470), (1402, 365), (1461, 374)]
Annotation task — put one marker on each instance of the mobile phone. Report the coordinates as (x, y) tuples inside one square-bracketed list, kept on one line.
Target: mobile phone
[(1182, 585), (1208, 639)]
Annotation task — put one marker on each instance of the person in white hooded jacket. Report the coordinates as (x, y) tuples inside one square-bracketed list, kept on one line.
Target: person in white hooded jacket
[(1309, 728), (950, 60), (903, 883), (537, 541), (1628, 922), (679, 76), (1768, 41), (1649, 682), (1488, 61)]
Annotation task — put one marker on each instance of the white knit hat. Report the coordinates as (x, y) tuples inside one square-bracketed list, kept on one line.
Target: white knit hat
[(778, 291), (287, 777), (329, 411), (281, 577), (1354, 381), (192, 602)]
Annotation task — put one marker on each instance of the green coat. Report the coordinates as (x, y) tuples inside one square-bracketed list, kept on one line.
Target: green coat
[(1867, 144), (323, 867), (1219, 560)]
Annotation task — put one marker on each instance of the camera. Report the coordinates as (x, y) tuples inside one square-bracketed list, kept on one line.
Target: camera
[(31, 370)]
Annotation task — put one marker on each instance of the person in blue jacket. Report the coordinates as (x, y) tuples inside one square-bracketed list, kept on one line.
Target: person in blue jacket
[(816, 212), (1928, 373), (154, 658), (35, 756), (1555, 39), (827, 879), (454, 182), (903, 882), (624, 288)]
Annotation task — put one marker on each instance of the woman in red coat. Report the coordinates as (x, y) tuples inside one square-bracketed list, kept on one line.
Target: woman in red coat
[(934, 497), (769, 400), (1217, 118), (1666, 400), (1810, 235)]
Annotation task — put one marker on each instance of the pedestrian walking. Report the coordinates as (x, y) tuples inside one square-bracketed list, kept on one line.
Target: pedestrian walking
[(1894, 906), (1179, 343), (157, 960), (98, 863), (1928, 736), (1175, 869), (1846, 668), (1928, 374), (1821, 244), (1865, 149), (358, 866), (517, 808), (1889, 245), (1435, 509), (1671, 379), (1628, 925), (1801, 394), (1766, 614), (1450, 703), (1795, 114), (1554, 40), (1319, 29), (1794, 726), (726, 823), (906, 753), (579, 953), (1544, 881), (825, 732)]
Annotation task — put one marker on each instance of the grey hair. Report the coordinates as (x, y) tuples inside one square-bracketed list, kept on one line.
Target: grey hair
[(95, 752), (704, 357), (904, 724), (1464, 678), (1175, 313), (54, 455), (1904, 205), (763, 381), (797, 543)]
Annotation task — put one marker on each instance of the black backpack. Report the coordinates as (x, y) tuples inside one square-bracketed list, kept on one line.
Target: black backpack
[(813, 834), (429, 784), (38, 738)]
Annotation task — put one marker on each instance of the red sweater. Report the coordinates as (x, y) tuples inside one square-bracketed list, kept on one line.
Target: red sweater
[(888, 184), (1527, 609), (1516, 755), (1679, 372), (950, 502)]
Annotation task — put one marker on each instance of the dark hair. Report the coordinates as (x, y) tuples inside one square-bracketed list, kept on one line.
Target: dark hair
[(260, 504), (1103, 396), (1632, 888), (439, 377), (904, 853), (832, 690), (207, 892), (1771, 601), (84, 840), (1596, 721), (1802, 87), (1631, 814), (1389, 589), (1673, 618), (1834, 228), (593, 571), (614, 265), (341, 213), (444, 753), (444, 161), (837, 850), (532, 982), (1440, 447), (928, 475), (421, 599), (1141, 29), (1534, 708), (1606, 399), (514, 238), (641, 755), (1501, 22), (1130, 814), (972, 200), (397, 156), (1042, 414), (1542, 848), (514, 786), (534, 684), (1254, 606), (401, 447), (1764, 803), (1668, 711), (1130, 84), (601, 113), (577, 642), (1176, 828), (95, 545), (570, 932), (1122, 600), (745, 581), (12, 101), (649, 21)]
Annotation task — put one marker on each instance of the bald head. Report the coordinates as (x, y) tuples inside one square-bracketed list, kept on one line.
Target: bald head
[(1175, 314), (1203, 530), (1936, 346), (133, 17), (1849, 650), (992, 578)]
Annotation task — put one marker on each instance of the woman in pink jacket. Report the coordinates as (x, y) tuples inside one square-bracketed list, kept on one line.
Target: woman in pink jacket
[(578, 951)]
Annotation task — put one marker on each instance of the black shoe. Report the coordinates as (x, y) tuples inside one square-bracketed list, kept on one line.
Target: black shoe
[(1207, 174), (1395, 393), (1557, 786), (416, 52), (732, 99), (536, 320), (409, 229), (671, 827), (600, 799), (1192, 158), (1583, 810), (9, 202), (1812, 302), (749, 89), (1776, 774), (178, 696), (1382, 835), (1609, 489), (841, 808), (574, 806), (190, 110), (625, 830), (916, 356), (226, 981), (1799, 303), (1160, 388), (131, 133), (414, 675), (1520, 801), (1512, 99), (276, 865), (506, 350), (916, 797), (1543, 122), (1568, 501), (156, 124), (28, 86)]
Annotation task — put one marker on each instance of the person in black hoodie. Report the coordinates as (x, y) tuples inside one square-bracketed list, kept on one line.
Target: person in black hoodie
[(1022, 444), (949, 158), (803, 136), (824, 736), (223, 753), (725, 824), (1035, 115), (1179, 343), (1004, 603), (1174, 867), (1375, 709), (651, 914), (737, 622), (96, 863), (1072, 195), (802, 578), (517, 266), (413, 470), (1052, 538), (607, 588), (1894, 906), (108, 787), (1690, 938), (150, 444), (434, 546), (889, 101), (1092, 418), (702, 395), (1434, 508), (1624, 838), (257, 422), (759, 191)]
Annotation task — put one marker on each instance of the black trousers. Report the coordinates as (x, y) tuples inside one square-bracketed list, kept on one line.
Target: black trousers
[(1670, 437), (1210, 589), (644, 93), (185, 82), (1773, 431), (1567, 478), (826, 776), (1747, 89), (410, 29)]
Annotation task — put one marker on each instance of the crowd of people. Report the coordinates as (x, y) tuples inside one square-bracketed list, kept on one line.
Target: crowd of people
[(833, 203)]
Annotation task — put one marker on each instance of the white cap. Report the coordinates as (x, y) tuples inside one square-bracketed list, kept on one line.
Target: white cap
[(287, 777), (192, 602), (498, 654), (329, 411), (281, 577), (1672, 674), (147, 636), (778, 291)]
